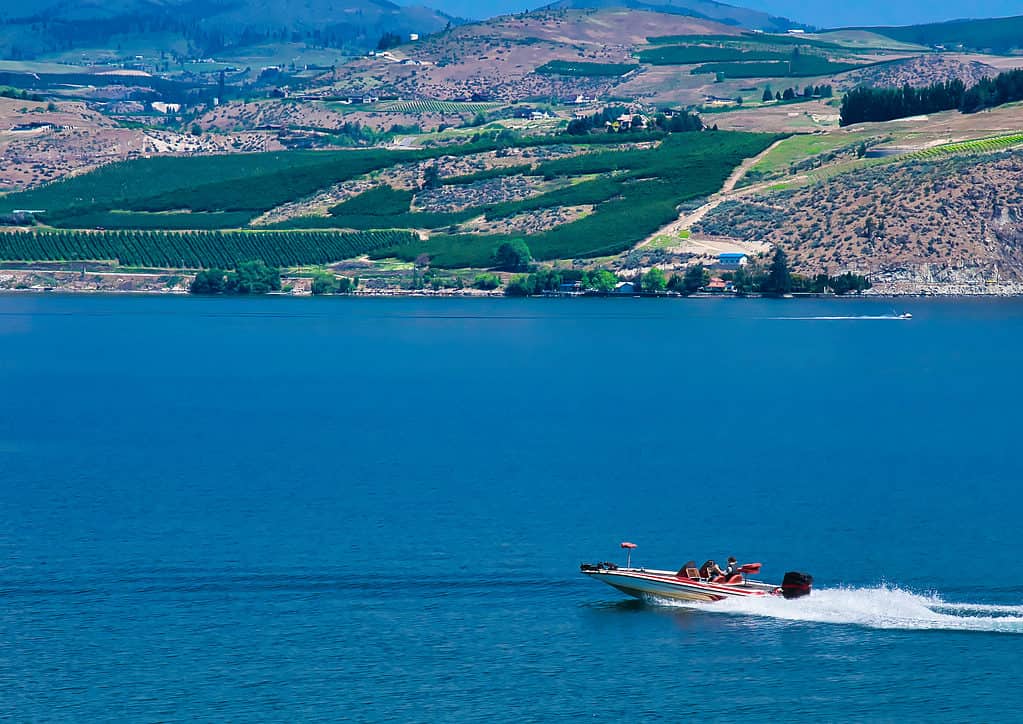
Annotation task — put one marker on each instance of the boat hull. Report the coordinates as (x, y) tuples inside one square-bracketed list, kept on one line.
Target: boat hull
[(665, 584)]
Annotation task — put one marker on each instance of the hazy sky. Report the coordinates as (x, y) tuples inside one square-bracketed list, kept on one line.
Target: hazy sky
[(824, 14), (884, 12)]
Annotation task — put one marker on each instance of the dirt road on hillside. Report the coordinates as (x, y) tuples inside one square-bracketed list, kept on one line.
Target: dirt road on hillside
[(687, 221)]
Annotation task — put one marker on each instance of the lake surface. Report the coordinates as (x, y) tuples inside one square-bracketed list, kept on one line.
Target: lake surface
[(374, 510)]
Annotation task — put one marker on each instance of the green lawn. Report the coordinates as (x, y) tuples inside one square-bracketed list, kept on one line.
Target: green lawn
[(584, 69), (797, 148)]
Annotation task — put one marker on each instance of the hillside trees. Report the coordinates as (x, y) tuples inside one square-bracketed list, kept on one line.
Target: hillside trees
[(540, 281), (251, 277), (327, 283), (676, 122), (990, 92), (884, 104), (513, 256), (388, 41), (778, 281), (254, 277), (692, 281), (209, 281), (793, 93), (487, 282), (600, 280), (654, 281)]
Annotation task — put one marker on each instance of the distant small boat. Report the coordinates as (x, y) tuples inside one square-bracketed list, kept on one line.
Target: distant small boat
[(905, 315)]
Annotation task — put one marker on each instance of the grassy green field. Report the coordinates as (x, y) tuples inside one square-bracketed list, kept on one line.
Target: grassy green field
[(27, 66), (865, 40), (140, 220), (585, 70), (801, 66), (798, 148), (692, 54), (979, 145), (991, 144)]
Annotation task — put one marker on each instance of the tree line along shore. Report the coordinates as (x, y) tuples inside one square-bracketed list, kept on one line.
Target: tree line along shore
[(514, 274)]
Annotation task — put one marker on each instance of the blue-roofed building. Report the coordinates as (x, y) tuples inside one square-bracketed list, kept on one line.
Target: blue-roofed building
[(732, 260)]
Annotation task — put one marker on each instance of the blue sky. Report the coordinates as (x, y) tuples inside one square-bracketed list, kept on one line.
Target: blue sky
[(884, 12), (824, 14)]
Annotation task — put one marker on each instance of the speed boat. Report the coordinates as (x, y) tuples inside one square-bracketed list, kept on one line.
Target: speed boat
[(905, 315), (687, 584)]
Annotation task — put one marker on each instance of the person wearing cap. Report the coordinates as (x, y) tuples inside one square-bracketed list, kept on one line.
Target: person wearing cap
[(732, 568)]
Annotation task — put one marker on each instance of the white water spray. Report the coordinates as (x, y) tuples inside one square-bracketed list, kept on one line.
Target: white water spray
[(858, 318), (880, 608)]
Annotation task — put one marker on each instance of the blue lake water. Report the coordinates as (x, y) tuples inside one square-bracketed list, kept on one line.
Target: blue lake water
[(374, 510)]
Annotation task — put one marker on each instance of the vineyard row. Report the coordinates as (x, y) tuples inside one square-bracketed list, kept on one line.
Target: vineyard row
[(195, 250)]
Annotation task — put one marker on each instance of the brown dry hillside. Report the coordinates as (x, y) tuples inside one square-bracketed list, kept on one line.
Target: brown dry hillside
[(40, 142), (923, 70), (961, 212), (497, 58)]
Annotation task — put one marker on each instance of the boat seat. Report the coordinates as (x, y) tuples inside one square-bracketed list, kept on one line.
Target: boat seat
[(693, 573), (732, 579)]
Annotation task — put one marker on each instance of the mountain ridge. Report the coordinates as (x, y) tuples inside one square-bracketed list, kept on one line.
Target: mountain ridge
[(702, 9), (54, 26), (994, 34)]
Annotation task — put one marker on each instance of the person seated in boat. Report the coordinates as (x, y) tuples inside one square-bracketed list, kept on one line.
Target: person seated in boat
[(710, 570), (733, 569)]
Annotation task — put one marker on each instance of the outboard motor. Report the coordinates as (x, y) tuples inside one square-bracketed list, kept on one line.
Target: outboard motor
[(796, 584)]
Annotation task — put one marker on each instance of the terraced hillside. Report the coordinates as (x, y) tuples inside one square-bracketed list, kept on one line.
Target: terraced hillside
[(566, 196)]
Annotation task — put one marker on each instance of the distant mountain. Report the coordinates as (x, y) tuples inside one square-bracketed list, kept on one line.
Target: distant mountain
[(703, 9), (998, 35), (204, 27)]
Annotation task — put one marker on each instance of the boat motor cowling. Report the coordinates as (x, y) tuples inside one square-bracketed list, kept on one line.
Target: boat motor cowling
[(796, 584)]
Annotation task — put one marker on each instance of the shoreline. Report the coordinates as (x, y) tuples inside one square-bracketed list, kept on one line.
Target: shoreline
[(48, 280), (474, 294)]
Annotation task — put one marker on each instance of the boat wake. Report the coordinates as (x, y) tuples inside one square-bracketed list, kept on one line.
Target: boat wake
[(880, 608), (857, 318)]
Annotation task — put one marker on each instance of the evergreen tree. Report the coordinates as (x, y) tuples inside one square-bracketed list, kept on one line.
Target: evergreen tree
[(694, 280), (779, 280)]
